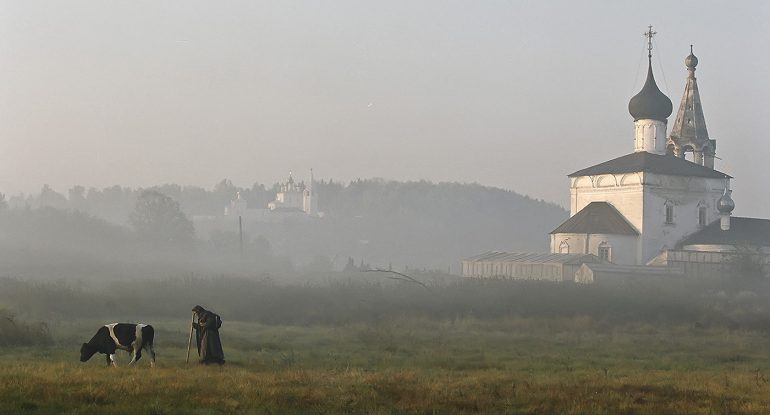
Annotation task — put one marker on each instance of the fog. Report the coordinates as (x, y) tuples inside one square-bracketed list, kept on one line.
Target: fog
[(80, 256), (316, 172), (174, 230), (436, 130), (508, 94)]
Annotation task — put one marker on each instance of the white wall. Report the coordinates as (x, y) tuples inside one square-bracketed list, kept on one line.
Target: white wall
[(623, 191), (641, 198), (686, 194), (623, 247), (650, 136), (547, 271)]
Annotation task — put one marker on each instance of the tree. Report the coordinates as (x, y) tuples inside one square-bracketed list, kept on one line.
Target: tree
[(77, 197), (225, 187), (158, 219), (51, 198)]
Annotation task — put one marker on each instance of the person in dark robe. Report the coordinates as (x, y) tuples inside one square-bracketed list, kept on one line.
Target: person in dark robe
[(207, 336)]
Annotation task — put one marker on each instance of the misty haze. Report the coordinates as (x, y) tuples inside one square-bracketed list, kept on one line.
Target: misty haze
[(384, 208)]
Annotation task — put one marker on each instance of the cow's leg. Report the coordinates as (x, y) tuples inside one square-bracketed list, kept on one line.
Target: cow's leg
[(112, 358), (136, 346), (136, 355), (107, 358), (152, 354), (133, 350)]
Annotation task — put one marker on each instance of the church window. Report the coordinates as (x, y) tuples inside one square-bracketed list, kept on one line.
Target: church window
[(564, 247), (605, 252), (702, 216), (669, 212)]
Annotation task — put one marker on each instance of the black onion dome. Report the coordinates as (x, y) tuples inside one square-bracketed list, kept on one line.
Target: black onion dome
[(725, 204), (650, 103)]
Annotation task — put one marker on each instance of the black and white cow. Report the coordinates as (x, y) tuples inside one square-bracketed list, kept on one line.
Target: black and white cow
[(129, 337)]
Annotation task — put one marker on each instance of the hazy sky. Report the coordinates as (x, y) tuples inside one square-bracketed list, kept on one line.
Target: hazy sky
[(504, 93)]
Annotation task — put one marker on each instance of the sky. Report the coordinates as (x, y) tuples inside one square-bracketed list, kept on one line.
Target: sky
[(513, 94)]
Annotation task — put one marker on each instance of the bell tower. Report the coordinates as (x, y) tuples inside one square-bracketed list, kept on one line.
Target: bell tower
[(689, 134)]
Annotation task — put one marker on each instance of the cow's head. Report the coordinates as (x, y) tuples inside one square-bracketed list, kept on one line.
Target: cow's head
[(86, 351)]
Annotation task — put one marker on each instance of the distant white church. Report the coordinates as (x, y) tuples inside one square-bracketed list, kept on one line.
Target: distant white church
[(291, 199), (294, 201), (653, 206), (294, 196)]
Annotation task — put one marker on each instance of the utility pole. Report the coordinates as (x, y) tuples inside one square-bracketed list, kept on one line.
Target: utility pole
[(240, 233), (239, 206)]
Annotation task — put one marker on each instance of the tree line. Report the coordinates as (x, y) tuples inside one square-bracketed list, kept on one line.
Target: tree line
[(384, 223)]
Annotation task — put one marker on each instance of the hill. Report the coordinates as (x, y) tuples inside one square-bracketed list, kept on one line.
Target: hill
[(374, 221), (420, 223)]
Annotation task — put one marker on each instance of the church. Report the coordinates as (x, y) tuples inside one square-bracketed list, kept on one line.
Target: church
[(297, 197), (664, 204)]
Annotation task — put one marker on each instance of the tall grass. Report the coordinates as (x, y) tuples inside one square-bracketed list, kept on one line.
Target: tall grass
[(364, 297), (18, 333)]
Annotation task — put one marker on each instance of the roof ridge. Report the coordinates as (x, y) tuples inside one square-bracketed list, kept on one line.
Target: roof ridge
[(643, 161), (743, 230), (598, 217)]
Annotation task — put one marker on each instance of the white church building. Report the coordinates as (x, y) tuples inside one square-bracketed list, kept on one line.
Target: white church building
[(654, 206), (296, 196), (295, 201)]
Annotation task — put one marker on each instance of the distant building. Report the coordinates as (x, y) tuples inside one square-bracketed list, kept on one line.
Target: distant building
[(654, 206), (743, 247), (237, 207), (293, 202), (518, 266), (294, 196)]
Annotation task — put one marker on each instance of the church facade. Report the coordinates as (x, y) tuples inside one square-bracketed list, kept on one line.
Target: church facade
[(630, 209), (665, 203)]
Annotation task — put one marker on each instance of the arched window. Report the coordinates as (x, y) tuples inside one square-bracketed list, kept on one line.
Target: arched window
[(604, 252), (563, 247), (669, 212), (702, 214)]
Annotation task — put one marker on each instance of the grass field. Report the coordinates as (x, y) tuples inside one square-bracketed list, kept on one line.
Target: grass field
[(406, 366)]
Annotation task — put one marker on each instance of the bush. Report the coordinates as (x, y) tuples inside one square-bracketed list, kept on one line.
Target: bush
[(17, 333), (368, 298)]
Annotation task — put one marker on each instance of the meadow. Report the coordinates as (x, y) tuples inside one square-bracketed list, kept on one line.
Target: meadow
[(364, 344), (406, 365)]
